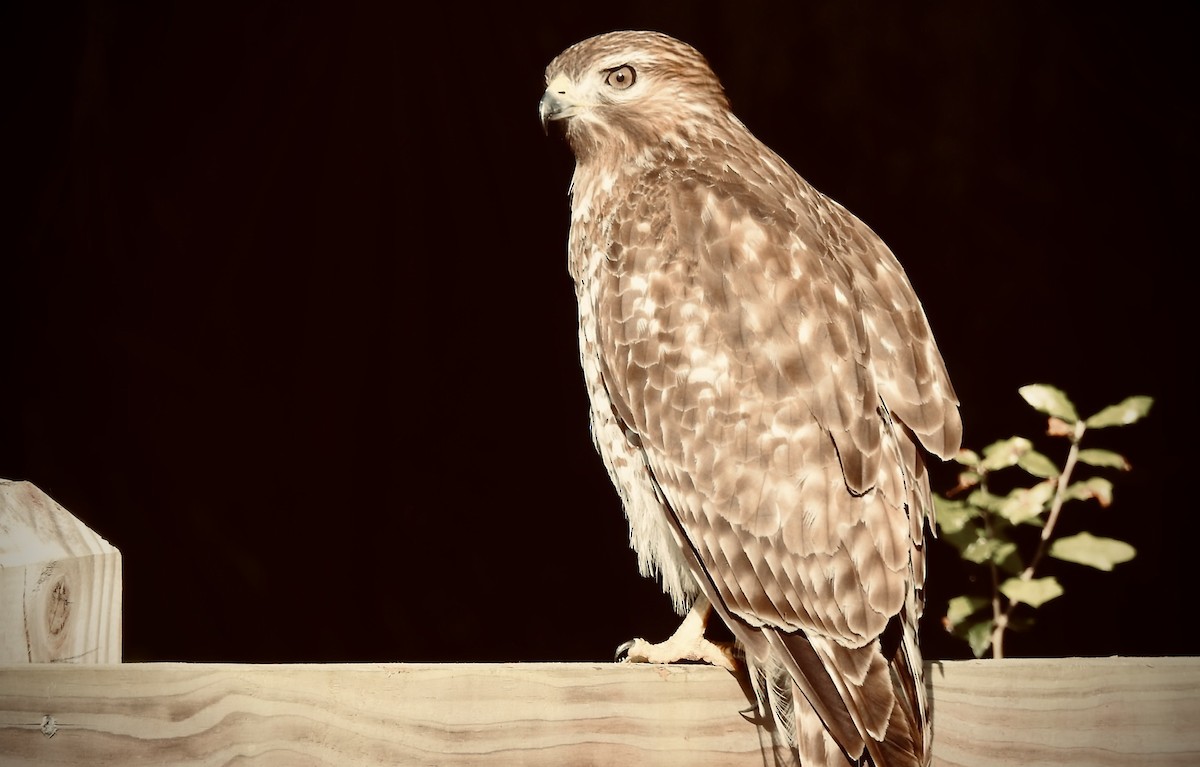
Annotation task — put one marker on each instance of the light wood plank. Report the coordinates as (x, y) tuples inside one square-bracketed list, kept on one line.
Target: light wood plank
[(1074, 711), (60, 583), (539, 714), (1120, 711)]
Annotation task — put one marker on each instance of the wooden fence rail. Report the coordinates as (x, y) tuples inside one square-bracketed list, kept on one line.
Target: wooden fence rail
[(65, 698), (1104, 711)]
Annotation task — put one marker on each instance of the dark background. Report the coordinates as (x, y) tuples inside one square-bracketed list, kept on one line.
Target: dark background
[(287, 317)]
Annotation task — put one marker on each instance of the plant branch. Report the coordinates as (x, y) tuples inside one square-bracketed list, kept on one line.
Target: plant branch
[(999, 619), (980, 525), (1056, 503), (1060, 497)]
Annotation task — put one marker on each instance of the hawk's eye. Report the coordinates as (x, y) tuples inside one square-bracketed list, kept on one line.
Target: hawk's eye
[(621, 78)]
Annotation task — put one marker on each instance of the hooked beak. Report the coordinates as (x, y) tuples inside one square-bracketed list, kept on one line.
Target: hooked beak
[(555, 103)]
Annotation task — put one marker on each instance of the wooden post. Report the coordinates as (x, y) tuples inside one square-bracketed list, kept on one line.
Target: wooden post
[(60, 583)]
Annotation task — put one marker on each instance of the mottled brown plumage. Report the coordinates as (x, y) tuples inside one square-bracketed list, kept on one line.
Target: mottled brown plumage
[(762, 381)]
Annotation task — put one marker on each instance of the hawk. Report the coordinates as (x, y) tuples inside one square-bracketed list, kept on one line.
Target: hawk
[(764, 386)]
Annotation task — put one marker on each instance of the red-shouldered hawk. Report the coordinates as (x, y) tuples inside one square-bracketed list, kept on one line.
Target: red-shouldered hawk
[(762, 380)]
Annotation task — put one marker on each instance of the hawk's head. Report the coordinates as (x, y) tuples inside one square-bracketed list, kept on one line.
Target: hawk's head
[(630, 91)]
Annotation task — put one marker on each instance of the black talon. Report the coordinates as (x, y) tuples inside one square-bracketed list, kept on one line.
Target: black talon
[(623, 651)]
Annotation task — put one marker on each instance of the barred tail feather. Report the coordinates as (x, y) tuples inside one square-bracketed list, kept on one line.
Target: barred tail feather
[(817, 716)]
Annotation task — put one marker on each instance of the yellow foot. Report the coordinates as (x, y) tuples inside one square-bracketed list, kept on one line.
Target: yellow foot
[(686, 644)]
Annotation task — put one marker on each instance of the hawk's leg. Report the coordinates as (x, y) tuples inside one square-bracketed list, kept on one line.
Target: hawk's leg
[(687, 643)]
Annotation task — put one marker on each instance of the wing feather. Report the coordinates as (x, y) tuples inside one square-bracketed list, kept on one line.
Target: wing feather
[(776, 361)]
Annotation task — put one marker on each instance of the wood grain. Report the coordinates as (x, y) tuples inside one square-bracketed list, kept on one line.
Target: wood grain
[(1075, 711), (60, 583), (1116, 711)]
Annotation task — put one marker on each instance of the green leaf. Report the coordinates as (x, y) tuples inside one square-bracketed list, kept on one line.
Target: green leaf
[(1103, 458), (1005, 453), (1093, 488), (966, 457), (963, 607), (979, 636), (987, 550), (984, 500), (967, 479), (1050, 401), (962, 538), (1005, 551), (977, 551), (1026, 503), (1012, 562), (1035, 592), (952, 516), (1123, 413), (1038, 465), (1087, 549)]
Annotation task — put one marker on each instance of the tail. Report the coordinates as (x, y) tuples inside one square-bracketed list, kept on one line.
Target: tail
[(824, 705), (770, 689)]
